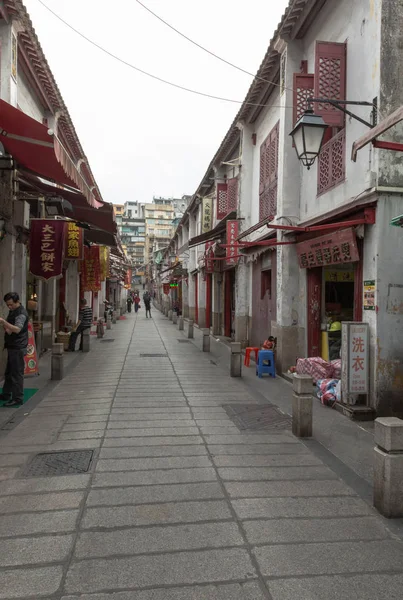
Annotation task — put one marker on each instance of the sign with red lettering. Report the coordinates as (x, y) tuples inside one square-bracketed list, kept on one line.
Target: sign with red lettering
[(46, 248), (31, 357), (74, 244), (355, 360), (232, 234), (91, 270), (128, 279), (209, 258), (166, 288), (334, 248)]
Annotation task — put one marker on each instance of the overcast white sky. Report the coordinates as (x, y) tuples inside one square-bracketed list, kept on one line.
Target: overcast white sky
[(142, 137)]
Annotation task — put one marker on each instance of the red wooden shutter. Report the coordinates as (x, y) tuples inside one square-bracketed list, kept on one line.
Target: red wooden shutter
[(232, 194), (303, 89), (330, 80), (262, 167), (222, 200), (269, 172)]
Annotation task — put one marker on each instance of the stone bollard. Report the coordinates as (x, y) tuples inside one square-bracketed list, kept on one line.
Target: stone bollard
[(114, 317), (57, 363), (170, 313), (190, 328), (206, 340), (236, 359), (388, 467), (302, 406), (175, 318), (86, 339), (181, 324), (100, 329), (108, 322)]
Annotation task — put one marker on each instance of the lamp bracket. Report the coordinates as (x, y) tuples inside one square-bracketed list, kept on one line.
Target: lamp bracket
[(340, 105)]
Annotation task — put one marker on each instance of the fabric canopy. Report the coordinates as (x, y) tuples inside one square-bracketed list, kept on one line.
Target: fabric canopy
[(33, 147)]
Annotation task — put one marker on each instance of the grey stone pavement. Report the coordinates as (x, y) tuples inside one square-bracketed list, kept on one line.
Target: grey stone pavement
[(178, 503)]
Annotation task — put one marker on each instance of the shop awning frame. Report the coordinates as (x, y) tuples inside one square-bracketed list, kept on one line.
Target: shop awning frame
[(38, 149)]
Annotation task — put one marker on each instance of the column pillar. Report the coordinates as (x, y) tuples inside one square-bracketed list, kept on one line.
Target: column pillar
[(241, 303)]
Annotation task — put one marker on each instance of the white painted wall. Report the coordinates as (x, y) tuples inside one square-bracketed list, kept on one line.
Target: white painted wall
[(28, 102)]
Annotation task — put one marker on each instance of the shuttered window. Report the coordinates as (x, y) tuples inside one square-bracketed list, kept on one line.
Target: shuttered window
[(330, 80), (303, 89), (269, 174), (222, 200)]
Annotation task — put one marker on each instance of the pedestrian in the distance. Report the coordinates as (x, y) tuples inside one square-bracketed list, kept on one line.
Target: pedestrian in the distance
[(147, 304), (84, 322), (16, 342), (136, 303), (129, 303)]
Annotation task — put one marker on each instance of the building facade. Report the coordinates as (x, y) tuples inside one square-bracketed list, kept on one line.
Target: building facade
[(306, 241)]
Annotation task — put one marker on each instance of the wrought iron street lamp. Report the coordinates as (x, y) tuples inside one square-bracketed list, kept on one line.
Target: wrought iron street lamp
[(308, 136)]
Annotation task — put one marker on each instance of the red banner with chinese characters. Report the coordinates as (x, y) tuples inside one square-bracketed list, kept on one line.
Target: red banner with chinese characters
[(31, 357), (335, 248), (74, 242), (166, 287), (91, 270), (209, 259), (46, 248), (232, 234), (105, 262), (128, 279)]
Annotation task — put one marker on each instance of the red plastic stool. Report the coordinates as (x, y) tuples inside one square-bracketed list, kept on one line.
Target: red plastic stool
[(248, 352)]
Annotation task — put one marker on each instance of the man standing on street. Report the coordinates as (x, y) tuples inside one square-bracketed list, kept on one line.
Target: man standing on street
[(16, 342), (84, 322), (147, 304)]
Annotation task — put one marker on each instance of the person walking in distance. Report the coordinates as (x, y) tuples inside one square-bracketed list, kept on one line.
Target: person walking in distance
[(84, 322), (16, 342), (129, 303), (136, 302), (147, 304)]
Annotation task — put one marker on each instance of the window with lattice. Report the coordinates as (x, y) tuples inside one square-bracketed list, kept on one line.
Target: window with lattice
[(222, 200), (232, 194), (330, 82), (269, 175), (303, 90)]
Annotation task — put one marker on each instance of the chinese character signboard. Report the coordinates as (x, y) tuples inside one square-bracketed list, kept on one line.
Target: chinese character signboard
[(232, 234), (339, 276), (207, 218), (369, 295), (336, 248), (91, 270), (46, 248), (209, 258), (74, 244), (355, 361), (128, 279)]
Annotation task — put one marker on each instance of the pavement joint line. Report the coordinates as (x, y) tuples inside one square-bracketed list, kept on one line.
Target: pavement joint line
[(66, 565), (345, 574), (228, 499)]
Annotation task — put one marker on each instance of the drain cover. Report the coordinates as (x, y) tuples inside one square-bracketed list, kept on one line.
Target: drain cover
[(257, 418), (152, 355), (184, 341), (108, 340), (51, 464)]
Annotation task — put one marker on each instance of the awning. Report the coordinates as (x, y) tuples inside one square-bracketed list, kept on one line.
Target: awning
[(213, 234), (33, 147), (101, 218), (397, 221)]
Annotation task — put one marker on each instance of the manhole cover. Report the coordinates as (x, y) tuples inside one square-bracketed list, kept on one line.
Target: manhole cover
[(257, 418), (59, 463), (152, 355), (184, 341), (109, 340)]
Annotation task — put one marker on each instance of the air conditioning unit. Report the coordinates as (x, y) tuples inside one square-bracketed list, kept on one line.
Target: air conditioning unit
[(21, 214)]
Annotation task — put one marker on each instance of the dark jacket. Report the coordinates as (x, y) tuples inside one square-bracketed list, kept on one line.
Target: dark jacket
[(17, 341)]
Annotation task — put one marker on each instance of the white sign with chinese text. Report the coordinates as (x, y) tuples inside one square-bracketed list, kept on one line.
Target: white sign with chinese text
[(355, 360)]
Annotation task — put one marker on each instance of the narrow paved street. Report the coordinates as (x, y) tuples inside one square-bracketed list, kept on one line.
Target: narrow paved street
[(178, 504)]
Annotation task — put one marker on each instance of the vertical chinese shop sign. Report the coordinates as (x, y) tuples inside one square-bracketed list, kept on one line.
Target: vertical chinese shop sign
[(104, 257), (46, 248), (354, 360), (232, 249), (91, 270), (74, 244)]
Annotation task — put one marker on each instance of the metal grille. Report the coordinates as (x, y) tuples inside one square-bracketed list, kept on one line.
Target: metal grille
[(249, 417), (332, 164), (222, 200), (59, 463)]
